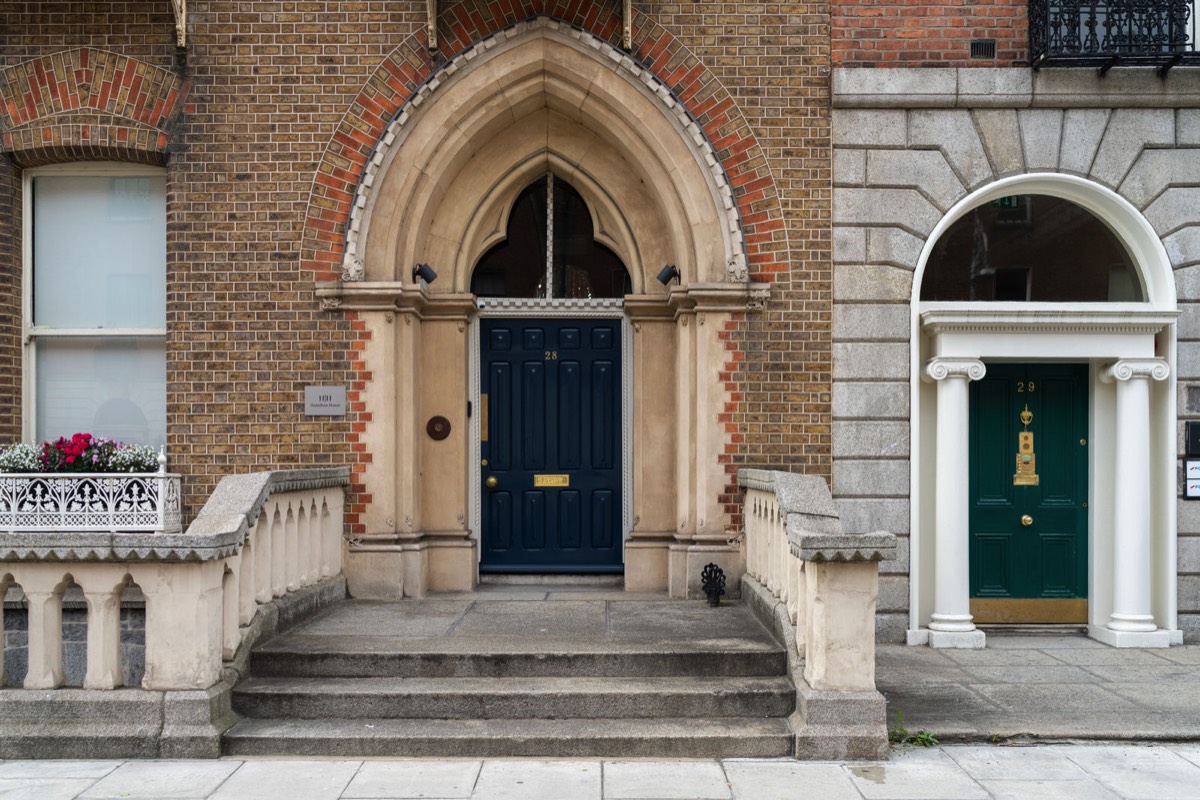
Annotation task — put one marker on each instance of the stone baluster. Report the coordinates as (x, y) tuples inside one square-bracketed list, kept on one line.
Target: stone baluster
[(231, 580), (247, 580), (262, 557), (103, 585), (278, 549), (315, 537), (44, 585), (292, 548)]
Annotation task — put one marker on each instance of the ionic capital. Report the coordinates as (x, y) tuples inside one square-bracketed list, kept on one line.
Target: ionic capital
[(940, 368), (1154, 369)]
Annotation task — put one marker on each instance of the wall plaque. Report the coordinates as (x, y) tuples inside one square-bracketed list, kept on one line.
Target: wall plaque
[(325, 401)]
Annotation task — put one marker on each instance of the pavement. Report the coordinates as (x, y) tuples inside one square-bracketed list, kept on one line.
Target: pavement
[(1043, 687), (1045, 772)]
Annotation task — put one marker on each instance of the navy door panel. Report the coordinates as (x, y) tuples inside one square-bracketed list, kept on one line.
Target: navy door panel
[(550, 445)]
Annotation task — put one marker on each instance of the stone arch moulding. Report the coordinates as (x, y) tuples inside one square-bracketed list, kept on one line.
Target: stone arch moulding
[(1131, 227), (683, 85), (569, 103), (1130, 564)]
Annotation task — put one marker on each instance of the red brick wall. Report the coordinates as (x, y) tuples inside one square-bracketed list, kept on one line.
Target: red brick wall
[(927, 34), (252, 127), (10, 301)]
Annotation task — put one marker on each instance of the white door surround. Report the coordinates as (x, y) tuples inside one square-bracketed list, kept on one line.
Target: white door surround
[(1132, 480)]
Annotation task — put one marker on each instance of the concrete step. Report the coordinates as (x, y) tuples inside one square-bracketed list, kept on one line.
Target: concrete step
[(300, 655), (514, 698), (654, 738)]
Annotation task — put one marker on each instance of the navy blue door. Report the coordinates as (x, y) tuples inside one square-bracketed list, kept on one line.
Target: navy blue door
[(550, 397)]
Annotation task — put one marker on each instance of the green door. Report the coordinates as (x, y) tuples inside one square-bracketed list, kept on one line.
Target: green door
[(1028, 495)]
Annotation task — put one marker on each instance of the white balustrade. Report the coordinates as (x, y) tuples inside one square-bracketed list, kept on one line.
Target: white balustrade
[(200, 587), (827, 580)]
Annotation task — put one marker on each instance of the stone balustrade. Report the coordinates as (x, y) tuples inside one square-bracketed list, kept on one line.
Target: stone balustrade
[(258, 537), (825, 583)]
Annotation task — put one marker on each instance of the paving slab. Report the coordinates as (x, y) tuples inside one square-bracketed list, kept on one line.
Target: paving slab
[(1083, 698), (1021, 674), (57, 769), (1111, 657), (990, 762), (539, 780), (42, 788), (270, 780), (1043, 687), (787, 780), (1181, 655), (391, 780), (1148, 675), (993, 657), (664, 780), (1043, 642), (1191, 752), (1048, 790), (1139, 772), (162, 780), (916, 775)]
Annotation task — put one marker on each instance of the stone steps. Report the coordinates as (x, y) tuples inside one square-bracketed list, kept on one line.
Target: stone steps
[(514, 698), (486, 657), (678, 683), (490, 738)]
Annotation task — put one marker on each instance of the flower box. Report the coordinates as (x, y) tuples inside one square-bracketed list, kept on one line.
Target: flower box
[(90, 501)]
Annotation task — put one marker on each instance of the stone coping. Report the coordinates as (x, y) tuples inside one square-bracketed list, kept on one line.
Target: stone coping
[(1013, 87), (217, 532), (811, 520)]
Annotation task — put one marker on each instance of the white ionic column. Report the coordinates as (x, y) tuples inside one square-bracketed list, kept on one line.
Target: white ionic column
[(951, 625), (1132, 623)]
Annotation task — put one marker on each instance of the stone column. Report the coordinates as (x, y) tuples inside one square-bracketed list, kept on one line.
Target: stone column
[(951, 625), (1131, 623)]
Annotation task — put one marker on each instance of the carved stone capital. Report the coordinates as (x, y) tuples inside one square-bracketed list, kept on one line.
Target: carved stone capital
[(1154, 369), (757, 298), (940, 368), (736, 270), (353, 269)]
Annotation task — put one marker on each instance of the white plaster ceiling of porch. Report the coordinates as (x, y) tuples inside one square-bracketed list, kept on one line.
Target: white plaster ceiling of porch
[(547, 98)]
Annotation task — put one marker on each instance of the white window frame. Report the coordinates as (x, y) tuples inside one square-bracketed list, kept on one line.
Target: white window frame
[(30, 333)]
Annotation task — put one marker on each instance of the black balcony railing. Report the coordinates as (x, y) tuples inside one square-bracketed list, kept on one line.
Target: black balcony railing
[(1160, 33)]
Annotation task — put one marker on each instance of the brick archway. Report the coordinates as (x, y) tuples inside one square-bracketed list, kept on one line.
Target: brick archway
[(411, 71)]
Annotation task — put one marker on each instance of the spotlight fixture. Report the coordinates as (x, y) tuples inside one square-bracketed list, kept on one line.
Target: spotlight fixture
[(424, 272), (669, 272)]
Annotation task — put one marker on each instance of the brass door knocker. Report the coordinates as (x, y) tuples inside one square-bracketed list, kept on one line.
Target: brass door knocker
[(1026, 460)]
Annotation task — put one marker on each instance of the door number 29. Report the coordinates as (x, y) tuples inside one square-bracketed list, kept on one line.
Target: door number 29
[(1022, 386)]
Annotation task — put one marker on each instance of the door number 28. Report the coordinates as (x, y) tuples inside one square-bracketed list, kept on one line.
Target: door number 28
[(1022, 386), (552, 355)]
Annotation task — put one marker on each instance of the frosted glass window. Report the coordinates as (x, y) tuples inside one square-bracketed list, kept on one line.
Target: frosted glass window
[(97, 303), (99, 250), (110, 386)]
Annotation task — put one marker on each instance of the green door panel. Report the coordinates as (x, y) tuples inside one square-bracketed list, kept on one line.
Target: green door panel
[(1048, 557)]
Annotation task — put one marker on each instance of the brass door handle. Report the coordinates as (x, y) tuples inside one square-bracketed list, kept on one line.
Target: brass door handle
[(491, 482), (1026, 520)]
